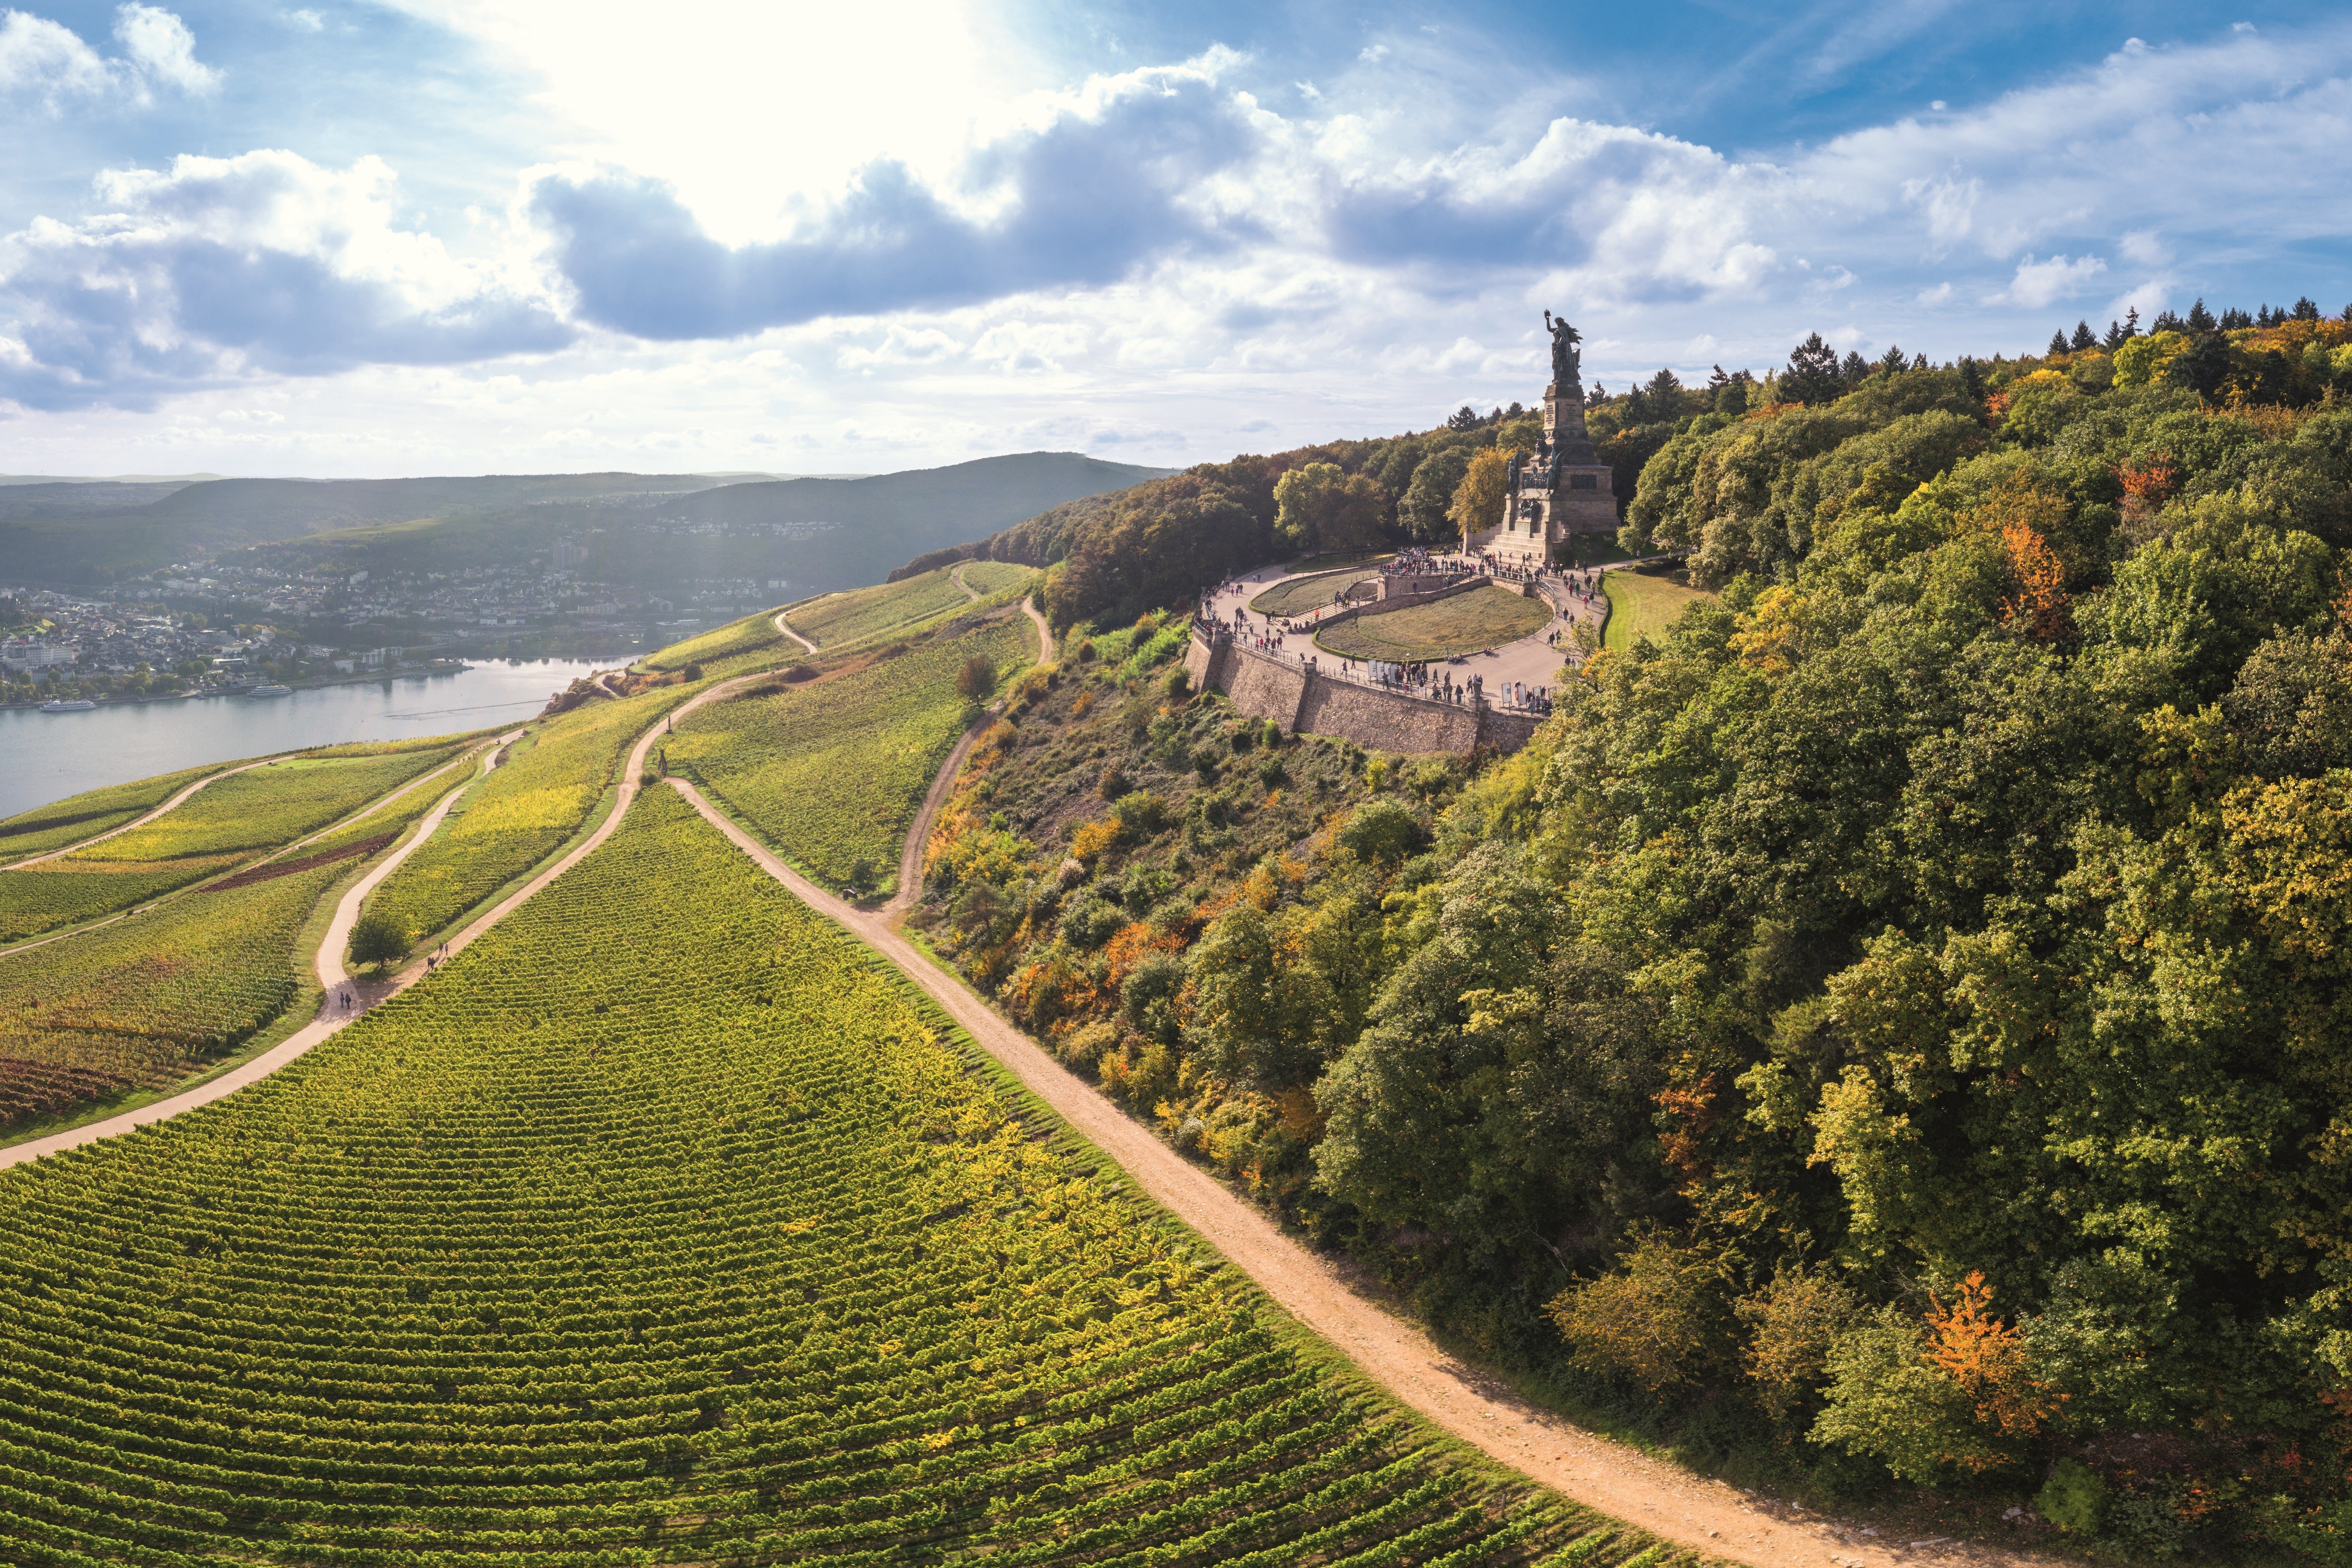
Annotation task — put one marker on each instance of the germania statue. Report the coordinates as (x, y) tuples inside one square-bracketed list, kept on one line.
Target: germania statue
[(1565, 360)]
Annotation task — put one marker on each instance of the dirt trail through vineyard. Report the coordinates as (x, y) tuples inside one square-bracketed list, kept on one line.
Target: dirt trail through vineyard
[(910, 854), (170, 804), (784, 627), (363, 995), (1705, 1515)]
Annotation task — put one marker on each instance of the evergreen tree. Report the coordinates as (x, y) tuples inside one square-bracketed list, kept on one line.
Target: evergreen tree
[(2307, 308), (1812, 372), (2201, 319), (2166, 321), (1855, 368), (2203, 368), (2234, 320), (1463, 418), (2057, 348), (2114, 337), (1919, 362), (1665, 390), (1718, 381), (2085, 338), (2263, 316), (1971, 379), (1893, 359)]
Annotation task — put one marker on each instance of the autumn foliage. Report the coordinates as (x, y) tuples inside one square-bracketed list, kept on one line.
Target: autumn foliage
[(1986, 1359), (2038, 608)]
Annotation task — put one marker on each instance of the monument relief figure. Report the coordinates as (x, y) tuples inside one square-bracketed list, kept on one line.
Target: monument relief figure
[(1565, 360)]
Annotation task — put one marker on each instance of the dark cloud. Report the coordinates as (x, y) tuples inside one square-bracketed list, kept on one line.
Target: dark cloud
[(1092, 196)]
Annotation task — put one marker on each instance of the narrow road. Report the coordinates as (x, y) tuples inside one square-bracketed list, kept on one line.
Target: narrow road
[(1705, 1515), (329, 959), (175, 802)]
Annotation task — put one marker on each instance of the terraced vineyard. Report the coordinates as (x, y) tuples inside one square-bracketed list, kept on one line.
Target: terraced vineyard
[(865, 614), (721, 1254), (93, 812), (534, 801), (143, 1000), (833, 774), (220, 827)]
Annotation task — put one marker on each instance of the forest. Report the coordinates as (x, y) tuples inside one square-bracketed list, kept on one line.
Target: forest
[(1892, 1022)]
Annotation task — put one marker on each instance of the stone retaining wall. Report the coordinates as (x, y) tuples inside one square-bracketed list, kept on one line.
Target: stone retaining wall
[(1264, 685)]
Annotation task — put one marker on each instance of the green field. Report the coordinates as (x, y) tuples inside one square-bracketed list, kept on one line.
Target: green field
[(719, 1250), (832, 775), (85, 816), (997, 576), (1300, 595), (528, 807), (1640, 604), (145, 1000), (866, 614), (1483, 618)]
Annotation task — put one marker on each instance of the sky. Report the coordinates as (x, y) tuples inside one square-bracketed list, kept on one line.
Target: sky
[(431, 237)]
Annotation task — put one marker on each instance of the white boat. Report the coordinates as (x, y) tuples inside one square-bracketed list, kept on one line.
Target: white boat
[(67, 705), (272, 691)]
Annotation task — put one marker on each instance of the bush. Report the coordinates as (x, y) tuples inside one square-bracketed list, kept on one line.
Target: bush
[(2073, 1498), (379, 937), (1178, 684), (1887, 1401), (1792, 1322), (1659, 1319), (692, 673), (1091, 921), (800, 673), (1114, 781), (1382, 831), (1086, 654)]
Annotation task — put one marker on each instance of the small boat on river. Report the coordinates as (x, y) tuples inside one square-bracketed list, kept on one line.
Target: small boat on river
[(67, 705)]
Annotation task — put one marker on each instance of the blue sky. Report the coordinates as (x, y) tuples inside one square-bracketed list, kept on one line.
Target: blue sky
[(463, 236)]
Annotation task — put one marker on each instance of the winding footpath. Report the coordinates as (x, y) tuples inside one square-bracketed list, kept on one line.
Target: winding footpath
[(785, 626)]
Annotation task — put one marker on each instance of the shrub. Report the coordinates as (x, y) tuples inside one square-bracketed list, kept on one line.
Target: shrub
[(1114, 781), (2073, 1498), (1090, 921), (1179, 683), (977, 679), (1086, 654), (1384, 831), (1792, 1323), (1658, 1318), (1886, 1400), (800, 673), (692, 672)]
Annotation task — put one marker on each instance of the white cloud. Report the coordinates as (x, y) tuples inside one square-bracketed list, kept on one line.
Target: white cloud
[(47, 60), (162, 49), (2039, 283), (1372, 54), (2144, 247), (304, 20)]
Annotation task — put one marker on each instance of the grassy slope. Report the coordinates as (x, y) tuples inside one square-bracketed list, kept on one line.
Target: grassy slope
[(1483, 618), (93, 812), (828, 1290), (1300, 595), (1640, 604), (748, 633), (997, 576), (832, 773)]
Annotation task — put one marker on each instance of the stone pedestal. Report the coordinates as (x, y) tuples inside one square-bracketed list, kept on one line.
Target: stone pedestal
[(1563, 491)]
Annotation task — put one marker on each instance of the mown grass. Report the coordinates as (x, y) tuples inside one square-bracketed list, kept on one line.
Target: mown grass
[(1640, 604), (1300, 595), (1483, 618)]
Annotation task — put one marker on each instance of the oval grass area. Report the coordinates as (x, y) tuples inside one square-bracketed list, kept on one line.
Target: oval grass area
[(1484, 618), (1296, 595), (1640, 604)]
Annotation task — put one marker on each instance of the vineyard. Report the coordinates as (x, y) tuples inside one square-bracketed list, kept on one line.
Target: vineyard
[(721, 1254), (85, 816), (269, 806), (985, 577), (863, 614), (524, 812), (142, 1001), (67, 892), (750, 634), (832, 775)]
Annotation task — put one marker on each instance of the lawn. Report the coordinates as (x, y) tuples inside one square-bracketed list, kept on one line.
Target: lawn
[(1300, 595), (1484, 618), (1640, 604)]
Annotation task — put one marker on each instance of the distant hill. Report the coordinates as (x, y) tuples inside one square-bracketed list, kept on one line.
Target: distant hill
[(647, 529)]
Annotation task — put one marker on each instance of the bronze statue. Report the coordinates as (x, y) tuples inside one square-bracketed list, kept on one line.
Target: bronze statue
[(1565, 360)]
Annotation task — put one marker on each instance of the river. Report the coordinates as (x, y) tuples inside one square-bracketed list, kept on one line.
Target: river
[(52, 755)]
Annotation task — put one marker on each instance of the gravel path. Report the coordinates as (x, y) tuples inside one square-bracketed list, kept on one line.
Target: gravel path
[(784, 627)]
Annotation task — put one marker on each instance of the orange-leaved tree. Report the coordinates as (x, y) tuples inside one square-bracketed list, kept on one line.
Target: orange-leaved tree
[(1986, 1359), (2038, 608)]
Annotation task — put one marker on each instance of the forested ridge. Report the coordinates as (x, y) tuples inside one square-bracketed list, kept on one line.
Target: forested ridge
[(1894, 1021)]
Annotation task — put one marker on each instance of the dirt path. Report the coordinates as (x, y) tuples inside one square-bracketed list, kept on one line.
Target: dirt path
[(175, 801), (363, 995), (784, 627), (1705, 1515)]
